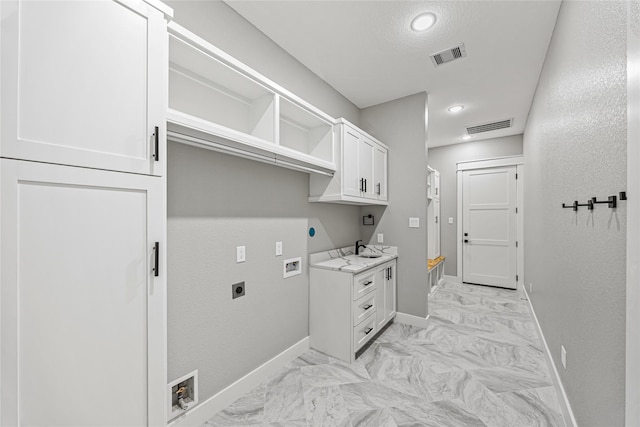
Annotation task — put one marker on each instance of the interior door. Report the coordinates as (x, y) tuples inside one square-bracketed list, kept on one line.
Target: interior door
[(489, 200), (83, 325)]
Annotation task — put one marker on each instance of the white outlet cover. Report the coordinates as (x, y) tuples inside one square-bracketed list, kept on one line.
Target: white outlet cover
[(380, 238), (241, 254), (450, 220), (278, 248), (414, 222)]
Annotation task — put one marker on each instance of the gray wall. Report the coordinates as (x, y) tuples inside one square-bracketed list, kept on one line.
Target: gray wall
[(575, 148), (401, 124), (444, 159), (217, 202)]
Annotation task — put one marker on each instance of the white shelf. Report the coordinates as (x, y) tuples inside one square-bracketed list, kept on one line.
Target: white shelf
[(217, 102)]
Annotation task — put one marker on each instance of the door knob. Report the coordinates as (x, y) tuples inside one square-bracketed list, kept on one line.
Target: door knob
[(466, 234), (466, 240)]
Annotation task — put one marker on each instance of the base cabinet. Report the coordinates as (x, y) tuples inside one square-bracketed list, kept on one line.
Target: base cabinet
[(347, 310), (82, 296)]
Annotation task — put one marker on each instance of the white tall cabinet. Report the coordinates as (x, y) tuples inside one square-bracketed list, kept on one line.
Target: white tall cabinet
[(433, 213), (83, 213)]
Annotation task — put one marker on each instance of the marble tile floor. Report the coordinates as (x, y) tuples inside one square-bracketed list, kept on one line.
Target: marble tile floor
[(478, 363)]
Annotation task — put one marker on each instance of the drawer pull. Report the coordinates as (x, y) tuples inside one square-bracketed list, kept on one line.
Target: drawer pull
[(368, 331), (367, 283), (367, 307)]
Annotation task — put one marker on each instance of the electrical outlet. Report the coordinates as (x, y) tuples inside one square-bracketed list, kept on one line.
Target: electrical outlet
[(380, 238), (278, 248), (237, 290), (450, 220), (563, 357), (414, 222), (241, 254)]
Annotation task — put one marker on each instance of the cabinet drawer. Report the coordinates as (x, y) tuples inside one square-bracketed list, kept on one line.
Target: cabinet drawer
[(363, 307), (363, 284), (364, 332)]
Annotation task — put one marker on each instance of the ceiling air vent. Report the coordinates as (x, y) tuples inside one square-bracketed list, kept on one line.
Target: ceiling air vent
[(488, 127), (449, 55)]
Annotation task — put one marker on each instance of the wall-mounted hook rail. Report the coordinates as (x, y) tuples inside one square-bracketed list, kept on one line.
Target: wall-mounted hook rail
[(574, 206), (623, 195), (612, 201)]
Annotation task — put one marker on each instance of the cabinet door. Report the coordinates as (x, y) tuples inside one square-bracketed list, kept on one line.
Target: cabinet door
[(380, 297), (82, 312), (351, 179), (84, 83), (436, 184), (436, 228), (390, 291), (380, 173), (366, 156)]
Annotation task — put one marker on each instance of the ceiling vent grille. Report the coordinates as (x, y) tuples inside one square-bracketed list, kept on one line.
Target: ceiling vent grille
[(449, 55), (488, 127)]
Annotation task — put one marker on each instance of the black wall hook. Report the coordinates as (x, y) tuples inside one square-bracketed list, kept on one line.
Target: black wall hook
[(589, 205), (574, 206), (612, 201)]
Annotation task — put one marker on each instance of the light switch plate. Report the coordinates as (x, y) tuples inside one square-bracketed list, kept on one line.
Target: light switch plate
[(241, 254), (278, 248), (450, 220), (380, 238), (414, 222)]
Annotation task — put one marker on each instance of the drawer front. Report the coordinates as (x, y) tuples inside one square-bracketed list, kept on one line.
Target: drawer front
[(363, 284), (364, 332), (363, 307)]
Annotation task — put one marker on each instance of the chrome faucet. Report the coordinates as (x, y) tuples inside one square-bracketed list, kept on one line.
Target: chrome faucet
[(359, 245)]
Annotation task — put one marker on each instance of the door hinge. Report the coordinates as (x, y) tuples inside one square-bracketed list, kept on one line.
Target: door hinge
[(516, 210), (516, 176), (516, 243), (516, 277)]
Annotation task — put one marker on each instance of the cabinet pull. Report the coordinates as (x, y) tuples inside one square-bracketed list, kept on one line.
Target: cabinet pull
[(365, 185), (368, 331), (367, 307), (378, 192), (386, 272), (362, 184), (156, 151), (367, 283), (390, 273), (156, 259)]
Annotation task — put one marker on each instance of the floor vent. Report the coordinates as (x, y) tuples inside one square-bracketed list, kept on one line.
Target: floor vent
[(488, 127), (449, 55)]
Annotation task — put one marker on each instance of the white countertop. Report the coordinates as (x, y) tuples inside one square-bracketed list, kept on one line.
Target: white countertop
[(345, 259)]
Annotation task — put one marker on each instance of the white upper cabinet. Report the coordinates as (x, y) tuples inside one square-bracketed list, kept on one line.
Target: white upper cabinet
[(362, 177), (218, 103), (61, 59)]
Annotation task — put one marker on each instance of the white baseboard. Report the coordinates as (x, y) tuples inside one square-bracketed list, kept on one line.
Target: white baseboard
[(200, 414), (410, 319), (453, 279), (564, 400)]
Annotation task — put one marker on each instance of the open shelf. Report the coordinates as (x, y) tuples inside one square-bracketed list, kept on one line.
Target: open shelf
[(202, 86), (303, 131)]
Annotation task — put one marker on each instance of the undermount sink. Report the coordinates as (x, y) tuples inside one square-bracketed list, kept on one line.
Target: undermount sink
[(369, 255)]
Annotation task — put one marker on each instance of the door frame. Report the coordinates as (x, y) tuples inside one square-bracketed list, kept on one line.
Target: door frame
[(518, 162), (632, 369)]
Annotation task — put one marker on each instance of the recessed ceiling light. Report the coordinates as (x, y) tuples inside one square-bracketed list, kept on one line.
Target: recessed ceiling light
[(466, 137), (456, 109), (423, 22)]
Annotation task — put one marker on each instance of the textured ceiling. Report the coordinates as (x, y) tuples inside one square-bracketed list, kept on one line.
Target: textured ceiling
[(366, 51)]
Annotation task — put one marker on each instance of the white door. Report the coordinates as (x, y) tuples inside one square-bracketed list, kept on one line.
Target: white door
[(489, 226), (366, 153), (390, 291), (83, 314), (352, 183), (436, 228), (83, 83), (380, 172)]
